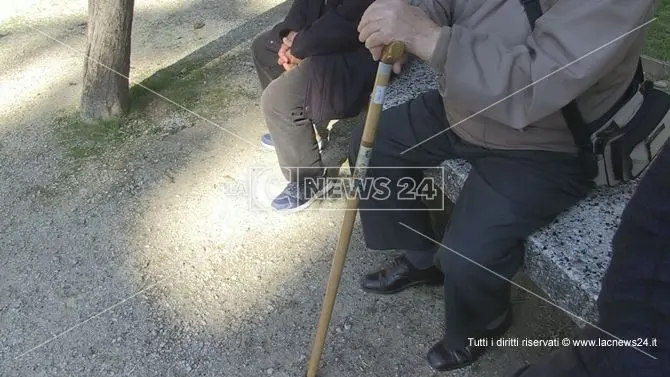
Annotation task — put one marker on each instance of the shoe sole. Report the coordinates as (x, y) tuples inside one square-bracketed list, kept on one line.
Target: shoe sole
[(316, 197), (322, 145), (410, 285), (272, 148), (460, 366)]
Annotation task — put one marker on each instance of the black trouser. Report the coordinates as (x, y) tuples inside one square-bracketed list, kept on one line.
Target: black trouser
[(507, 196), (283, 105)]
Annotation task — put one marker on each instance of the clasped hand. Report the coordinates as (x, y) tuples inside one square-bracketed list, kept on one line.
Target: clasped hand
[(286, 59), (387, 21)]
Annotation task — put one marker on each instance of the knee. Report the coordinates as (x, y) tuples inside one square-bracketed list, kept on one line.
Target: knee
[(274, 99), (457, 268), (465, 262), (268, 98), (287, 93), (479, 260)]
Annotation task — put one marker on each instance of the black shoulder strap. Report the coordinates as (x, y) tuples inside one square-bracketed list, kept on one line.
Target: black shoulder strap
[(574, 119), (533, 11), (571, 113)]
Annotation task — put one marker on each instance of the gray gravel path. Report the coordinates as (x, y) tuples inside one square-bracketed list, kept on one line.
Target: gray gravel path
[(147, 257)]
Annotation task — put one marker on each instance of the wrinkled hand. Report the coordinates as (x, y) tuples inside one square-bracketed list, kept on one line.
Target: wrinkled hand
[(286, 59), (283, 58), (387, 21)]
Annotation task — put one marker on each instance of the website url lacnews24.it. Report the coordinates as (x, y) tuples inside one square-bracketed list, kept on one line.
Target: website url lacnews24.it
[(565, 342)]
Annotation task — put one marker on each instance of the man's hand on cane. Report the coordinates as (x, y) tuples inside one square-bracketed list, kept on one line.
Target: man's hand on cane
[(386, 21)]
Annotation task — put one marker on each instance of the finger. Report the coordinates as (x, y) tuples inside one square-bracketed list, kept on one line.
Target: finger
[(370, 14), (366, 31), (376, 52), (397, 67), (376, 43), (367, 26), (365, 20), (377, 37), (287, 42)]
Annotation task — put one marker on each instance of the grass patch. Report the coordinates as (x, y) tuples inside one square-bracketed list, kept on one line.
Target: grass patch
[(83, 140), (194, 84), (658, 38), (202, 84), (219, 98), (180, 83)]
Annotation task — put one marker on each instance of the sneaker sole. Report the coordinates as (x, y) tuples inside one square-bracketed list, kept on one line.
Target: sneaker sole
[(272, 147), (309, 202)]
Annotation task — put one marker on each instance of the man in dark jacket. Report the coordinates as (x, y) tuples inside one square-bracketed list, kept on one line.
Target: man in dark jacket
[(634, 303), (312, 69)]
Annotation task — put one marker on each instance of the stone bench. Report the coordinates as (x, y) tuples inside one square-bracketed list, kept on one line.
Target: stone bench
[(566, 259)]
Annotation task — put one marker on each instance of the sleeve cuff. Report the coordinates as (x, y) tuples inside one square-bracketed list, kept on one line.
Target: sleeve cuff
[(284, 31), (439, 57)]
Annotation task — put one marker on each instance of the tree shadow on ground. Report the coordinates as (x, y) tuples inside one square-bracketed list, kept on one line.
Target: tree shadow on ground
[(180, 80), (22, 30)]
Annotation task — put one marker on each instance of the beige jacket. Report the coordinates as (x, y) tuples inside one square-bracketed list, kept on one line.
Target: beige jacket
[(487, 52)]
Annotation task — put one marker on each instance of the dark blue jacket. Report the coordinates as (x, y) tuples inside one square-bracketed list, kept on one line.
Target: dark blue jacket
[(325, 26), (341, 71)]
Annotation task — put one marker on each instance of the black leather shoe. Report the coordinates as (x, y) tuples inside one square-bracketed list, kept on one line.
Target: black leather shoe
[(444, 359), (399, 275)]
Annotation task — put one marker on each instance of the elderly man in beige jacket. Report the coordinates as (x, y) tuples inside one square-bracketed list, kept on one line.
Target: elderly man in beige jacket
[(505, 82)]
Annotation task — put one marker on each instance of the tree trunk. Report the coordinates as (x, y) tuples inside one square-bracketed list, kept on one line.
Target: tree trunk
[(105, 94)]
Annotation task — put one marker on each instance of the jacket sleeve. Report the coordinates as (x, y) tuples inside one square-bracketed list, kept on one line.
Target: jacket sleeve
[(574, 44), (335, 31), (295, 19), (435, 10)]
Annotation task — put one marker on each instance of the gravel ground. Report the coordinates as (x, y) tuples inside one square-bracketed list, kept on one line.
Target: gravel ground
[(150, 255)]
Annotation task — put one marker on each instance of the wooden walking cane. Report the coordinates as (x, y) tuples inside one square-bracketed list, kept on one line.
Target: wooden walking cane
[(391, 54)]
